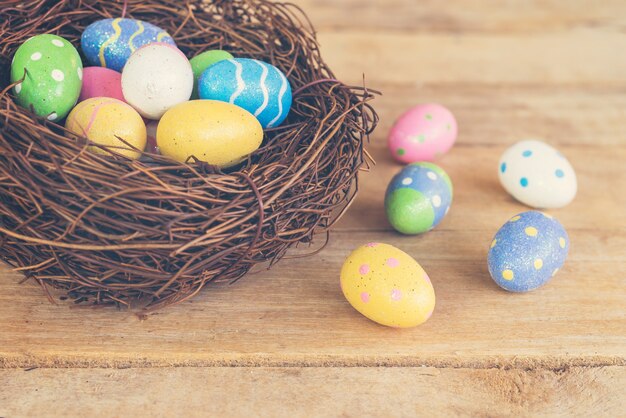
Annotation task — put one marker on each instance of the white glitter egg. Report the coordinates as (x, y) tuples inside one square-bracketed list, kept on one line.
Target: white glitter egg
[(156, 78)]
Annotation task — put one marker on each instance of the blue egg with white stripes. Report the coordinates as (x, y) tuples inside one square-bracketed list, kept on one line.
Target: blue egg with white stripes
[(527, 251), (256, 86), (418, 198), (110, 42)]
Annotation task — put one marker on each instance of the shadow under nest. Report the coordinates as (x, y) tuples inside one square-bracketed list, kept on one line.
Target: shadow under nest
[(151, 232)]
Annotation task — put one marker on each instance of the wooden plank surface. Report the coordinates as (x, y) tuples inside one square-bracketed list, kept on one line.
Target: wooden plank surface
[(508, 71), (543, 58), (462, 16), (295, 313), (312, 392)]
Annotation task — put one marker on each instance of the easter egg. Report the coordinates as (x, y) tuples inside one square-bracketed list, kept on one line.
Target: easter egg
[(52, 72), (537, 175), (103, 121), (418, 198), (218, 133), (387, 286), (201, 62), (256, 86), (110, 42), (423, 133), (156, 78), (151, 130), (527, 251), (101, 82)]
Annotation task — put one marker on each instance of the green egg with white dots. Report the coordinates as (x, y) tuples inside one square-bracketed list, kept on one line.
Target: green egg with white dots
[(51, 72)]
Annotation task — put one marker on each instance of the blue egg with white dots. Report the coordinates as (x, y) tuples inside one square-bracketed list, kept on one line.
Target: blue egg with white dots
[(259, 87), (537, 175), (110, 42), (418, 198), (527, 251)]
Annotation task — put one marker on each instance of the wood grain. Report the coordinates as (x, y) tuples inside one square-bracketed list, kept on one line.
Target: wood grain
[(313, 392), (480, 203), (295, 313), (584, 117), (491, 17), (543, 58), (508, 70)]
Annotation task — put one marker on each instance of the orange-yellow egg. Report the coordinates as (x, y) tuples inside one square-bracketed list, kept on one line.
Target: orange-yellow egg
[(387, 286), (104, 120), (216, 132)]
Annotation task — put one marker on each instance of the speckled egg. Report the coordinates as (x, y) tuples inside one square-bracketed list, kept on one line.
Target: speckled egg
[(527, 251), (101, 82), (422, 134), (218, 133), (256, 86), (110, 42), (202, 61), (538, 175), (103, 121), (387, 286), (418, 198), (156, 78), (52, 72)]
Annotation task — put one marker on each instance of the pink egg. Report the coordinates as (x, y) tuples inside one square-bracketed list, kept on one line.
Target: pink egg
[(422, 134), (101, 82), (151, 128)]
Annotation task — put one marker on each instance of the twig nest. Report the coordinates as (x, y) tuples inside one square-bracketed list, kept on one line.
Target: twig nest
[(109, 229)]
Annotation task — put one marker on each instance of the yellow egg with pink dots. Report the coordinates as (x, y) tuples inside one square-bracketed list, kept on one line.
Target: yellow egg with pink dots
[(387, 286)]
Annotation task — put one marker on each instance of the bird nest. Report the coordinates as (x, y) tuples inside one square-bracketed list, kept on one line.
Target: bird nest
[(151, 232)]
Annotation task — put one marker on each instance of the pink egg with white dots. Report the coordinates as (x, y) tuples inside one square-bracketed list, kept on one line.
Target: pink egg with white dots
[(423, 133)]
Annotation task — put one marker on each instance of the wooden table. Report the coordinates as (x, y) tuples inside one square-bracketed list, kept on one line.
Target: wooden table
[(286, 343)]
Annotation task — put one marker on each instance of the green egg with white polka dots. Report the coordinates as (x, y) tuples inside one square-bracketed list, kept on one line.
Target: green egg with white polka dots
[(51, 72)]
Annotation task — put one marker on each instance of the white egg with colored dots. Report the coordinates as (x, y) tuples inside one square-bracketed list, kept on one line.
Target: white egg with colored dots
[(527, 251), (537, 175), (157, 77), (387, 286)]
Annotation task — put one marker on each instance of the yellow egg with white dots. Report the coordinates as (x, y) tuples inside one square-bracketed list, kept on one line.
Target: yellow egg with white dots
[(387, 286)]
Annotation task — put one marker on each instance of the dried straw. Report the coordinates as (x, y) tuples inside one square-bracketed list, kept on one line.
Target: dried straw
[(107, 230)]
